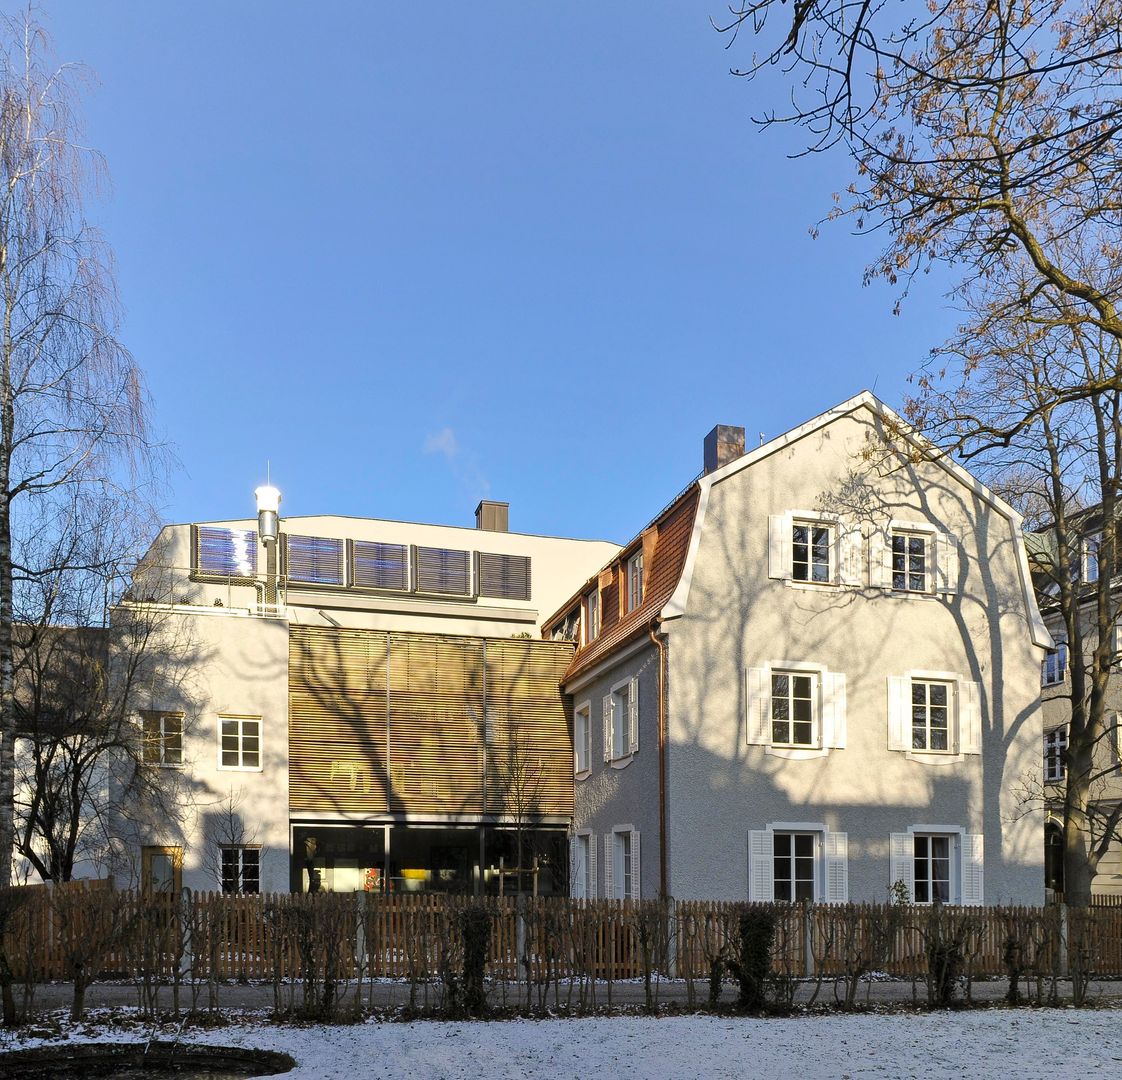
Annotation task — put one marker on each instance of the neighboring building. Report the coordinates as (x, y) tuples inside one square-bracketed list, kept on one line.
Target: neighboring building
[(1055, 682), (815, 674), (368, 703)]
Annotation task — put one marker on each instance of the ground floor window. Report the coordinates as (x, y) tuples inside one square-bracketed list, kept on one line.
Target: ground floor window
[(241, 869), (1054, 856), (794, 861), (932, 868)]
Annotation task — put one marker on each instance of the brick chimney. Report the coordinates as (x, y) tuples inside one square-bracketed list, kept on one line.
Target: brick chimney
[(722, 445)]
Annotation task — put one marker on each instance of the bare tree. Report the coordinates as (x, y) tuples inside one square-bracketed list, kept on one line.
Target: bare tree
[(225, 828), (984, 134), (519, 773), (73, 423)]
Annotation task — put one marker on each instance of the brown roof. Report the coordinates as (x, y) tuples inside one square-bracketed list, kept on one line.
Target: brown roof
[(674, 525)]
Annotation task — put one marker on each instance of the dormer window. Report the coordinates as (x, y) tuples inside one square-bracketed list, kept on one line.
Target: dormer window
[(634, 581), (591, 617), (1090, 558)]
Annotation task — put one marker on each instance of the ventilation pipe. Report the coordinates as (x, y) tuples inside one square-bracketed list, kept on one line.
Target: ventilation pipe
[(268, 528)]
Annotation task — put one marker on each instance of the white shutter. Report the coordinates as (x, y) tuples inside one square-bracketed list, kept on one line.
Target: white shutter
[(588, 738), (969, 718), (1116, 638), (633, 715), (609, 860), (608, 725), (850, 551), (880, 570), (636, 891), (946, 580), (592, 882), (973, 869), (779, 546), (758, 696), (902, 862), (833, 709), (837, 868), (576, 869), (899, 712), (1115, 740), (761, 865)]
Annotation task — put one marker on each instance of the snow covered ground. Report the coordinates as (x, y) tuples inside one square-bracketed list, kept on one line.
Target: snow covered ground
[(1024, 1044)]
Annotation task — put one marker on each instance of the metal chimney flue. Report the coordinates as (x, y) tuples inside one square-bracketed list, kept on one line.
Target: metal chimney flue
[(268, 513)]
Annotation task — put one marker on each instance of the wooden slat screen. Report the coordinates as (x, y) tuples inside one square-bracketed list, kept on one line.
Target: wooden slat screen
[(225, 553), (315, 560), (442, 570), (504, 576), (380, 566), (395, 722)]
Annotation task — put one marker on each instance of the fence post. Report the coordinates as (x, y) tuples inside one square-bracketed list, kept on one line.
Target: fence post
[(186, 909), (808, 941), (519, 937), (360, 931)]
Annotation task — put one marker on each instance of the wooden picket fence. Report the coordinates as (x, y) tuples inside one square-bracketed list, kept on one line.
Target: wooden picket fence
[(49, 933)]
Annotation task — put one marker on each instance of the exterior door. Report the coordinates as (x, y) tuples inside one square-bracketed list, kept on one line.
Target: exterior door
[(162, 870)]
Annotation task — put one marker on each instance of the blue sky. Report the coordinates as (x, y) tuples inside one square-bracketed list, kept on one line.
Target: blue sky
[(419, 255)]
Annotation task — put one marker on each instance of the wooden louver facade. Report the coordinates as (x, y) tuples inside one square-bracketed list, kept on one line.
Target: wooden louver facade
[(404, 723)]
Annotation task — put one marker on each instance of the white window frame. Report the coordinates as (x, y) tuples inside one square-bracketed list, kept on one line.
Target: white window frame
[(954, 863), (584, 887), (162, 742), (1055, 759), (942, 563), (831, 865), (828, 709), (582, 740), (966, 733), (241, 849), (812, 522), (790, 835), (967, 867), (621, 716), (591, 620), (241, 719), (950, 706), (622, 864), (1089, 562), (635, 581), (815, 741), (1053, 668), (906, 533)]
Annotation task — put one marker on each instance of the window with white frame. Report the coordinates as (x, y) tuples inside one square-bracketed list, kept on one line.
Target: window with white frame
[(935, 715), (794, 698), (811, 551), (621, 721), (931, 715), (634, 581), (582, 738), (621, 864), (583, 868), (939, 864), (1055, 756), (795, 866), (239, 740), (796, 709), (162, 738), (932, 866), (591, 617), (1090, 557), (911, 554), (798, 861), (241, 869), (1053, 670)]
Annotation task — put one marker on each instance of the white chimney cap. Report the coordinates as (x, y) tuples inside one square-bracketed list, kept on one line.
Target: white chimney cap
[(268, 499)]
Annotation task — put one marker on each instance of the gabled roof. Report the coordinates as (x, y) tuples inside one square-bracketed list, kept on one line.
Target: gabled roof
[(674, 527)]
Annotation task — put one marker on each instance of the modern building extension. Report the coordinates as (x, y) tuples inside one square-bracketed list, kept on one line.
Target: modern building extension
[(814, 675)]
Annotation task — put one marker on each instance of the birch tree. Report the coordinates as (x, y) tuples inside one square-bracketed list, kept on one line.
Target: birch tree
[(73, 411)]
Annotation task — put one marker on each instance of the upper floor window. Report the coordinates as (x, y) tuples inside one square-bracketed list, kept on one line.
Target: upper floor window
[(910, 561), (811, 544), (239, 742), (1055, 756), (582, 738), (591, 616), (634, 581), (444, 571), (380, 566), (315, 560), (931, 715), (1090, 557), (793, 699), (1054, 668), (504, 576), (162, 738), (225, 553), (621, 721)]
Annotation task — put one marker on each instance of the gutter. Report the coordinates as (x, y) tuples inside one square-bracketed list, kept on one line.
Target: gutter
[(659, 640)]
